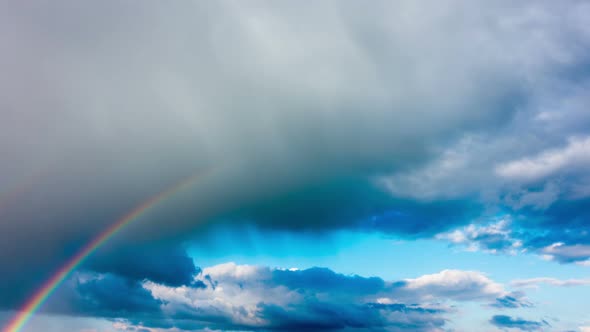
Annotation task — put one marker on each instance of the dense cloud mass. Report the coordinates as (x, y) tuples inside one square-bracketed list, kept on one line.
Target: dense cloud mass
[(252, 298), (462, 121)]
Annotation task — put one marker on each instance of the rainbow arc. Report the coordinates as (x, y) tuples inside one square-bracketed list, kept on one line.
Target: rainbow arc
[(32, 305)]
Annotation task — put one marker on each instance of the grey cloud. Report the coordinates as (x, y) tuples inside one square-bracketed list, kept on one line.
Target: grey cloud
[(113, 295), (535, 169), (162, 264), (114, 102), (535, 172), (507, 322), (567, 253), (511, 301)]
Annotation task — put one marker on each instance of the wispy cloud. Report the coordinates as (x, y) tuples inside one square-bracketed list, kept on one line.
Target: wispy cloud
[(504, 322), (535, 282), (575, 154)]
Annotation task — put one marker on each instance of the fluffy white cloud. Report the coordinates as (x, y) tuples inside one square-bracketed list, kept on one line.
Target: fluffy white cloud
[(233, 291), (253, 296), (457, 285)]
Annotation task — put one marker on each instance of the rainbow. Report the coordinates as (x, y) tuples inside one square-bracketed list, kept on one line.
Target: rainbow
[(41, 295)]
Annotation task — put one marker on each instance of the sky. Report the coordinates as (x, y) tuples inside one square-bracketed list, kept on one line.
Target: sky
[(282, 166)]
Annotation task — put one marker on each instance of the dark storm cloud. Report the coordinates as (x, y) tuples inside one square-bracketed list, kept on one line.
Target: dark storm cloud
[(353, 204), (166, 264), (397, 118), (113, 295), (162, 264), (507, 322), (326, 280)]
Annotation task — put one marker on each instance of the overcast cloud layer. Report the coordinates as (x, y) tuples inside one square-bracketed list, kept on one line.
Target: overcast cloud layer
[(463, 121)]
